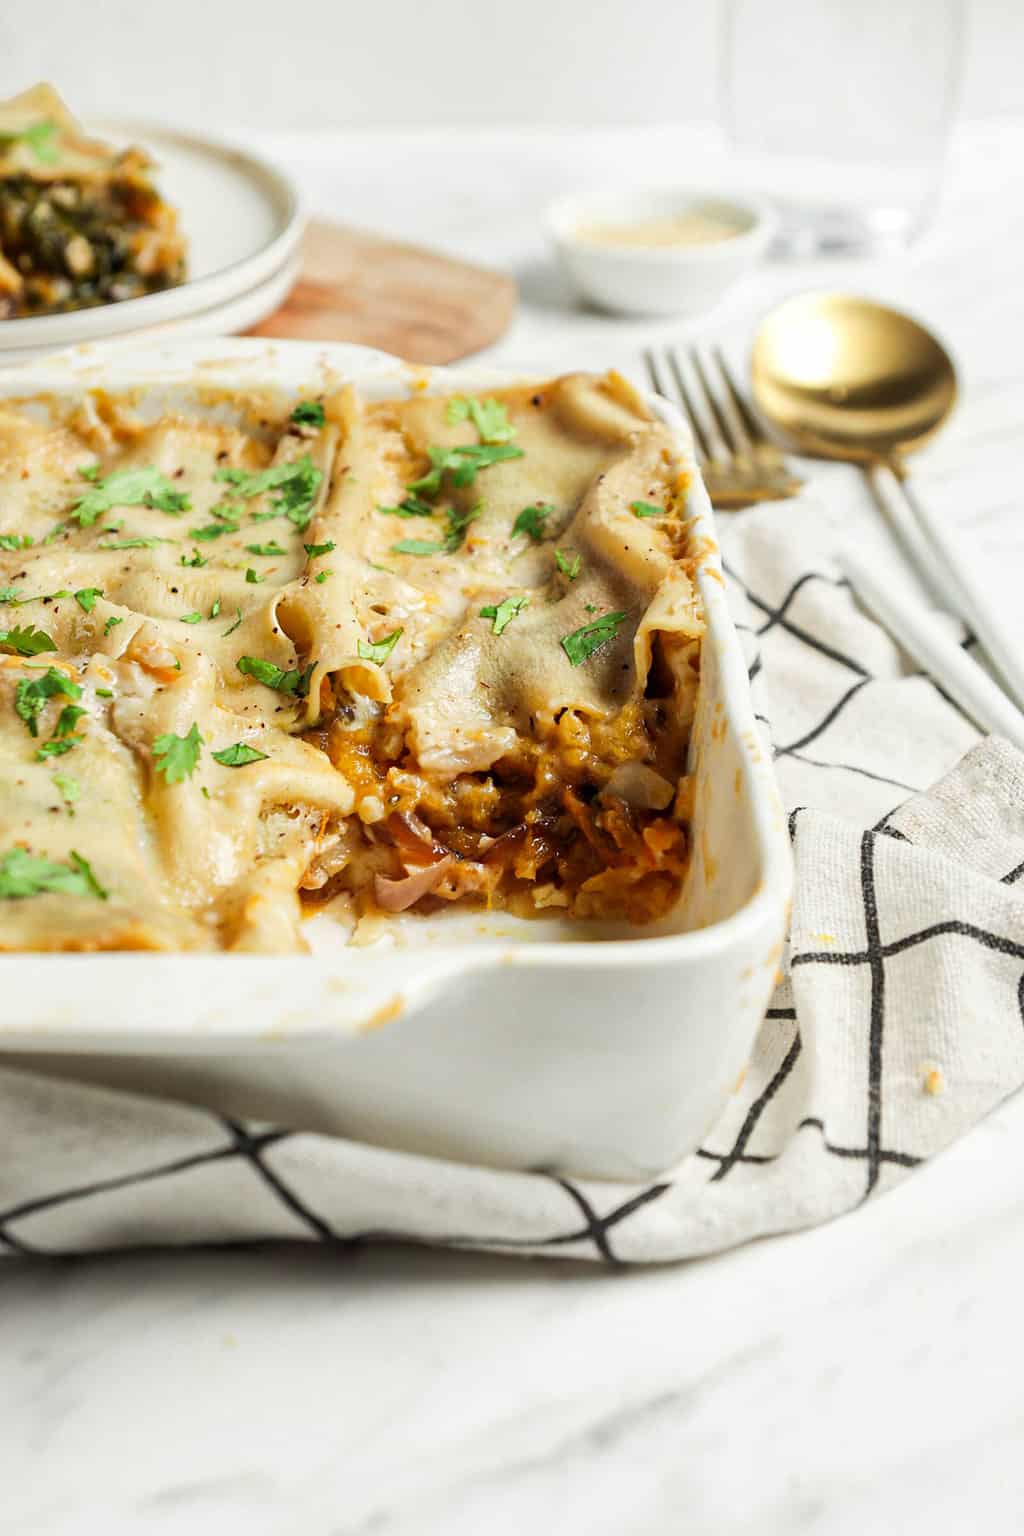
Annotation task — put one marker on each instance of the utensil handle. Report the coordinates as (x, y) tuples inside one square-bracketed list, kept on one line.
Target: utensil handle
[(977, 587), (924, 637), (900, 511)]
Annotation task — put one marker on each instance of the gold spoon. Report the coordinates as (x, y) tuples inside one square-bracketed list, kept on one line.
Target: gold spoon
[(846, 378)]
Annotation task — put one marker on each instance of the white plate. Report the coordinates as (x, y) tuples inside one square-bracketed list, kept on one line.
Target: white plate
[(243, 220)]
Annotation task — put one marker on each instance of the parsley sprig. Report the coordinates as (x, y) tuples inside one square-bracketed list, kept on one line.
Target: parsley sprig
[(297, 481), (292, 681), (177, 757), (501, 614), (379, 650), (25, 640), (25, 874), (489, 417), (31, 694)]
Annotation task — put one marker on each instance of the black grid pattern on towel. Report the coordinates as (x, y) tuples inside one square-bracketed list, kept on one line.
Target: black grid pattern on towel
[(589, 1226)]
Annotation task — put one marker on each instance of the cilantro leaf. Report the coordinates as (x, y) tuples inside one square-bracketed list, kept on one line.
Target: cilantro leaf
[(214, 530), (69, 789), (273, 548), (417, 547), (15, 541), (489, 417), (139, 543), (252, 577), (31, 695), (293, 681), (215, 610), (68, 719), (379, 650), (191, 618), (502, 614), (321, 577), (583, 642), (25, 640), (195, 560), (232, 627), (145, 487), (86, 598), (112, 623), (646, 509), (462, 463), (298, 482), (8, 595), (569, 565), (238, 755), (531, 521), (39, 137), (314, 550), (412, 506), (308, 413), (177, 757), (24, 874), (57, 746)]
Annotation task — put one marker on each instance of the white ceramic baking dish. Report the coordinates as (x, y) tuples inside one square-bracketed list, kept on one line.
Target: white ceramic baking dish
[(519, 1044)]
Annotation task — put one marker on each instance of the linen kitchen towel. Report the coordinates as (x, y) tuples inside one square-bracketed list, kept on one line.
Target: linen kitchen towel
[(899, 1024)]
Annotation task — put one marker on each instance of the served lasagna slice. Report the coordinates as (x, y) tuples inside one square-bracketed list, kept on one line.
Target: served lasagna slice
[(81, 223), (341, 657)]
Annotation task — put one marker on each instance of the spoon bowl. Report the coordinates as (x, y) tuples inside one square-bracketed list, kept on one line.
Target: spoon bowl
[(846, 378)]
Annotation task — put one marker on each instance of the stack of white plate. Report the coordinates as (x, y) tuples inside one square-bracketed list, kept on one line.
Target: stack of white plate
[(243, 220)]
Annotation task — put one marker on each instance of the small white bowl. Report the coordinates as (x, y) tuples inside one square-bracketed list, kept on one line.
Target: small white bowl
[(652, 279)]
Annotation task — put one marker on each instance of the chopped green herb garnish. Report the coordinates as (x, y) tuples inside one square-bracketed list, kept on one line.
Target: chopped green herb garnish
[(104, 693), (128, 488), (297, 481), (68, 719), (90, 472), (56, 747), (112, 623), (379, 650), (24, 874), (502, 614), (238, 755), (531, 521), (86, 598), (321, 577), (214, 530), (583, 642), (308, 413), (39, 137), (231, 628), (314, 550), (138, 543), (191, 618), (489, 417), (227, 511), (292, 681), (215, 610), (569, 565), (15, 541), (195, 560), (177, 757), (646, 509), (273, 548), (462, 464), (31, 695), (69, 789), (55, 533), (252, 577), (25, 640), (8, 595), (412, 506), (417, 547)]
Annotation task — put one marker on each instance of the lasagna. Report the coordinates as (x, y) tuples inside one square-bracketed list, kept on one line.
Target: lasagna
[(262, 658), (81, 223)]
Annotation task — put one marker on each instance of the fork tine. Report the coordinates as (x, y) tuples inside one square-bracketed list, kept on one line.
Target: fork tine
[(722, 421), (651, 364), (704, 449), (750, 422)]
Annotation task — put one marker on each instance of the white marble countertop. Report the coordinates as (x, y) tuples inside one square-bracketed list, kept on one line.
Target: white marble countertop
[(857, 1378)]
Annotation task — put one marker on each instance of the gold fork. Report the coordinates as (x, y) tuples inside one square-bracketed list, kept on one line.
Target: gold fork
[(738, 461)]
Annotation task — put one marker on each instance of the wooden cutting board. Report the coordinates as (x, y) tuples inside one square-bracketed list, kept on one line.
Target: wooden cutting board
[(416, 303)]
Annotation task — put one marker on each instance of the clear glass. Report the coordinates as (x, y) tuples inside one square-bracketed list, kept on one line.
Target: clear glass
[(842, 111)]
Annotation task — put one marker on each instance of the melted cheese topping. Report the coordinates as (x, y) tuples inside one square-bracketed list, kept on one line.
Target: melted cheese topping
[(411, 749)]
